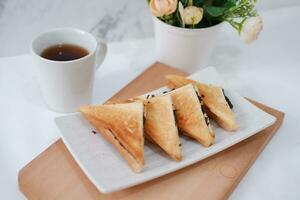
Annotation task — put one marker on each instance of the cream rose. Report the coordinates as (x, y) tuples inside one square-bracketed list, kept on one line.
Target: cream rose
[(251, 29), (192, 15), (160, 8)]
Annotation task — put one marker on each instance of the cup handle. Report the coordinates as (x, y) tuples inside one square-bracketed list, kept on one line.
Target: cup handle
[(101, 53)]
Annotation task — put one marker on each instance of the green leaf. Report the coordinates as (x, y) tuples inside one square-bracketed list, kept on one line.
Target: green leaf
[(184, 2), (224, 3), (201, 24), (178, 18), (198, 3), (214, 11), (230, 3), (219, 2)]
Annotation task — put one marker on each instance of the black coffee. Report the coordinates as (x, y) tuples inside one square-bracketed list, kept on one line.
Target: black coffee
[(64, 52)]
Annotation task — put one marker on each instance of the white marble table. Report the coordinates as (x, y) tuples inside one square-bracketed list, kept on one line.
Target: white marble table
[(267, 71)]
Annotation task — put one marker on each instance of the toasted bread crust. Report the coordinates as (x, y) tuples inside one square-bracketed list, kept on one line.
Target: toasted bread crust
[(160, 125), (214, 100), (217, 107), (109, 136), (189, 116), (122, 125)]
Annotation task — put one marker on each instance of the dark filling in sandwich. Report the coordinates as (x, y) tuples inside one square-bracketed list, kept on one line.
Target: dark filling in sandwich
[(174, 114), (144, 119), (205, 115), (175, 118), (203, 109), (144, 114), (227, 100)]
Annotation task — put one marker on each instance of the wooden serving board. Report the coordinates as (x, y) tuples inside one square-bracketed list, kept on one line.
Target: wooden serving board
[(55, 175)]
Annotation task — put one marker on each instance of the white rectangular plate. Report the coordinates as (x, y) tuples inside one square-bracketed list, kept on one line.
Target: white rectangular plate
[(109, 172)]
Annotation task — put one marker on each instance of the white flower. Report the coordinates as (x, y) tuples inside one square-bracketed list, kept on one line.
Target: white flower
[(251, 29), (192, 15), (160, 8)]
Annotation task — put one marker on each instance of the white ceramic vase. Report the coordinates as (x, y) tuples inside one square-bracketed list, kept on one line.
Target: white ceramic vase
[(185, 49)]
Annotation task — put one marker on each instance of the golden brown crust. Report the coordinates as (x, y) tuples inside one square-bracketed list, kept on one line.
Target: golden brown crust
[(189, 115), (109, 136), (213, 97), (217, 107), (222, 123), (175, 81), (160, 125), (120, 101), (125, 123)]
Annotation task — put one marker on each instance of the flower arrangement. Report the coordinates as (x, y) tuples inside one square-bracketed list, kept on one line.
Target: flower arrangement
[(194, 14)]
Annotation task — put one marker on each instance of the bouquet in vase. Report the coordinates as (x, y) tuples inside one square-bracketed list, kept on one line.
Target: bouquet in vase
[(197, 14)]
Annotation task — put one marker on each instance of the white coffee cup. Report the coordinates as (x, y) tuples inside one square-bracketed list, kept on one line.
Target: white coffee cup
[(66, 85)]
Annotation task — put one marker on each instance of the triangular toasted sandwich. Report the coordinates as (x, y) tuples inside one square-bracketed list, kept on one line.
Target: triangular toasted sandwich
[(160, 125), (218, 106), (190, 115), (122, 126)]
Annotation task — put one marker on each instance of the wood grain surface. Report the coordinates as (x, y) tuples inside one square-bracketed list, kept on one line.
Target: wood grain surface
[(54, 175)]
